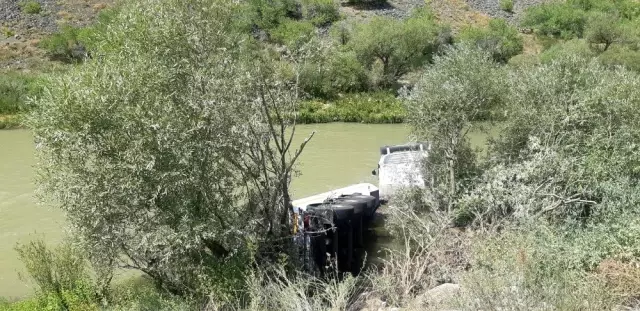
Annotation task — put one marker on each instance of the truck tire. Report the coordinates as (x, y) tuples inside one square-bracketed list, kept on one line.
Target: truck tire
[(369, 200), (360, 206)]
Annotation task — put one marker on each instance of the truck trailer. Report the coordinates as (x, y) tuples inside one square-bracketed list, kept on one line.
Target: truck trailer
[(331, 229)]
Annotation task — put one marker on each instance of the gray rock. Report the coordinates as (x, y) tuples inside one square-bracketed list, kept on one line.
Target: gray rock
[(11, 13), (440, 295), (492, 8)]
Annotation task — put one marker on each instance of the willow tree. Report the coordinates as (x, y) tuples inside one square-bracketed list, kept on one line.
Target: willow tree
[(460, 87), (170, 151)]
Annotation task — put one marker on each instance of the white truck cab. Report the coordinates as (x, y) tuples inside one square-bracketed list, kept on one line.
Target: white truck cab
[(400, 167)]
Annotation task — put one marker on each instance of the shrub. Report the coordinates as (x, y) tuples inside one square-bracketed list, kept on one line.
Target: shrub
[(340, 73), (15, 89), (462, 86), (320, 12), (267, 14), (572, 48), (9, 122), (524, 61), (603, 29), (173, 92), (341, 32), (293, 33), (530, 268), (274, 289), (66, 45), (366, 108), (31, 7), (398, 45), (61, 276), (556, 19), (499, 38), (621, 56), (506, 5)]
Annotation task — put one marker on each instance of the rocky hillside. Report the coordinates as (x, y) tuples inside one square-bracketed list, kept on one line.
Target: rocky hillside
[(24, 23), (22, 29)]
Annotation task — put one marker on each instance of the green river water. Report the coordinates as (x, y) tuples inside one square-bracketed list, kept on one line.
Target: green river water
[(338, 155)]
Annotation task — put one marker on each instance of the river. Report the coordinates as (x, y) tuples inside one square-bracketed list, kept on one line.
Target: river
[(338, 155)]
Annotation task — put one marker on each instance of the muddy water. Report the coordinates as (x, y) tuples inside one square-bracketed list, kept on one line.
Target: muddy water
[(338, 155)]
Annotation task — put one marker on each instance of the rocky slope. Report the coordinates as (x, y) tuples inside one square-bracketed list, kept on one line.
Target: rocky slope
[(20, 32)]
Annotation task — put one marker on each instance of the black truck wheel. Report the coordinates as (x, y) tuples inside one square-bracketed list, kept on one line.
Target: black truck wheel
[(359, 207)]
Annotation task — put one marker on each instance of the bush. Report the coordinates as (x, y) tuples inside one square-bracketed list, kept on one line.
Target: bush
[(15, 89), (621, 56), (399, 46), (603, 29), (506, 5), (340, 73), (366, 108), (181, 85), (530, 268), (463, 85), (9, 122), (267, 14), (320, 12), (572, 48), (293, 33), (31, 7), (556, 19), (68, 45), (499, 38), (61, 276)]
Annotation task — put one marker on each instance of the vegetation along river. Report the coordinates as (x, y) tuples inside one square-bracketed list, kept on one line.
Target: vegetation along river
[(338, 155)]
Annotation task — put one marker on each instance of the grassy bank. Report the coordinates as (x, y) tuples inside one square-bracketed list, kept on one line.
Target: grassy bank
[(362, 108), (9, 121)]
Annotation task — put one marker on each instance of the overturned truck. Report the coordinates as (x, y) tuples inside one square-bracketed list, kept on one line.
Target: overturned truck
[(331, 229)]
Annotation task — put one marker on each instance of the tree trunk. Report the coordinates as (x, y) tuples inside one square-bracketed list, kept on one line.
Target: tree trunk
[(452, 184)]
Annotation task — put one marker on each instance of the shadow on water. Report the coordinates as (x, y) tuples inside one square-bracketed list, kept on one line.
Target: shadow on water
[(376, 243)]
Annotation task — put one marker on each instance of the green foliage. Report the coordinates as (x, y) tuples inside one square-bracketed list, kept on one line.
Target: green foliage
[(556, 19), (293, 33), (563, 147), (320, 12), (506, 5), (163, 115), (531, 267), (15, 89), (367, 108), (9, 122), (61, 276), (572, 48), (268, 14), (69, 45), (603, 29), (461, 86), (7, 32), (333, 73), (570, 19), (341, 32), (500, 39), (621, 56), (398, 45), (31, 7)]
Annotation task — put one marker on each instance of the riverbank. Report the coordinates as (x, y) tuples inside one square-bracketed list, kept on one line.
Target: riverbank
[(9, 122)]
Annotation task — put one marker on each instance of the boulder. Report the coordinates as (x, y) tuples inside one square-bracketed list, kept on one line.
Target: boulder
[(440, 296)]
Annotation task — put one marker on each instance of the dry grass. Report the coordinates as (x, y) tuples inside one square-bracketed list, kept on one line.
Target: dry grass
[(623, 278), (531, 45), (458, 14), (431, 254)]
